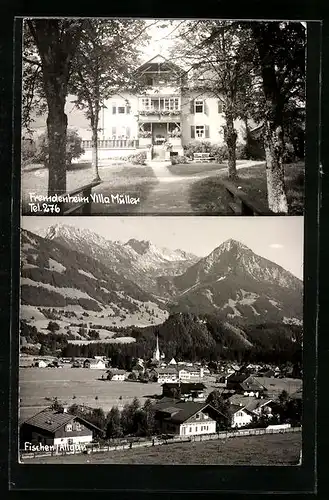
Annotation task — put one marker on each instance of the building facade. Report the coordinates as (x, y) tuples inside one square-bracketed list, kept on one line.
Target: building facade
[(164, 116)]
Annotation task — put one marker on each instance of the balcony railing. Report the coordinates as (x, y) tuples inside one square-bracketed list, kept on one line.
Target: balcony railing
[(113, 144), (161, 112)]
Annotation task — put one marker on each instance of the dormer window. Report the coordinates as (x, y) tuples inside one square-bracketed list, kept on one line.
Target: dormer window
[(197, 416), (68, 428)]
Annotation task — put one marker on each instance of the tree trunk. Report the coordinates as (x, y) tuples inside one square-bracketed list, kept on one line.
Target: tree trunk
[(94, 152), (230, 137), (273, 139), (56, 127), (274, 148)]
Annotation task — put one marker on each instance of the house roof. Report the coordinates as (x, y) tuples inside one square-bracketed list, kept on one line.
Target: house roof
[(277, 385), (235, 408), (182, 411), (251, 385), (50, 420), (158, 61), (164, 371), (248, 402), (238, 377)]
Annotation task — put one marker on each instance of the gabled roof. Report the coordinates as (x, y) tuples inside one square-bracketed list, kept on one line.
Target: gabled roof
[(51, 420), (159, 62), (163, 371)]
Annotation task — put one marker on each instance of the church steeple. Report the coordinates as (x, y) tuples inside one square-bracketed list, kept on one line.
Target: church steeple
[(157, 350)]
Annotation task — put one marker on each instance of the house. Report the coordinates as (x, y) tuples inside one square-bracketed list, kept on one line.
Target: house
[(256, 406), (246, 384), (56, 428), (187, 373), (163, 375), (240, 417), (190, 390), (169, 114), (95, 364), (186, 418), (119, 375), (274, 386)]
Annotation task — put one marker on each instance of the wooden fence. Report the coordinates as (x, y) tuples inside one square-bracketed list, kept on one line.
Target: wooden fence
[(84, 193), (239, 202), (126, 444)]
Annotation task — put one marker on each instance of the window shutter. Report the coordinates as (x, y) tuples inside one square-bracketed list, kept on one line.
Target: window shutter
[(114, 131), (128, 110), (114, 109), (220, 107), (192, 131), (192, 107), (128, 132), (207, 131), (205, 107)]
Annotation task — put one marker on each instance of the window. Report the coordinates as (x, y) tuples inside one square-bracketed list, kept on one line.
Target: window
[(70, 441), (114, 109), (78, 427), (200, 131), (205, 416), (199, 106), (68, 427), (121, 110), (114, 132), (149, 80), (190, 429), (146, 103), (196, 429), (197, 416)]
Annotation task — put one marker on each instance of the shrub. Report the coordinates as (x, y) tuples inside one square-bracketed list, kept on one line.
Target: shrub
[(137, 159), (178, 160), (28, 151), (74, 148)]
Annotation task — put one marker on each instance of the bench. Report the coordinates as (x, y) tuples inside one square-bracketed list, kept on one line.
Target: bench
[(203, 157)]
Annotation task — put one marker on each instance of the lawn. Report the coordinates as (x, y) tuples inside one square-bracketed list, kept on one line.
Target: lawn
[(134, 180), (37, 384), (208, 195), (195, 168), (271, 449)]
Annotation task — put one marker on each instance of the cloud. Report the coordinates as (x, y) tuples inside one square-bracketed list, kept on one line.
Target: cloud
[(276, 245)]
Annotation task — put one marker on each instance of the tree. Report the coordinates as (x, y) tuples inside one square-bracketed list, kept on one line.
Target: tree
[(281, 51), (103, 66), (53, 326), (220, 54), (216, 400), (113, 428), (56, 42), (129, 417)]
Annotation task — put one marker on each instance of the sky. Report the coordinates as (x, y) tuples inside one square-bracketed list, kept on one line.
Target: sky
[(279, 239)]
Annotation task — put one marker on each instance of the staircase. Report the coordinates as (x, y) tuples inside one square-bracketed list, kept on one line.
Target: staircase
[(159, 153)]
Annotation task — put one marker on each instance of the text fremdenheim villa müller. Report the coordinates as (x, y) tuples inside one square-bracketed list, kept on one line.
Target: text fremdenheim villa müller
[(168, 111)]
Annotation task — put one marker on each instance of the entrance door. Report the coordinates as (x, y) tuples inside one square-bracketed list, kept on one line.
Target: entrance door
[(159, 133)]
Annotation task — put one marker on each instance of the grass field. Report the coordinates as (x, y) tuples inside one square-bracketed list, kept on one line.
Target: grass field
[(271, 449), (135, 180), (36, 384), (208, 195)]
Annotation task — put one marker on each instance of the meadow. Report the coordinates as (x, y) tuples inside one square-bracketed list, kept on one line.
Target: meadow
[(270, 449), (76, 386)]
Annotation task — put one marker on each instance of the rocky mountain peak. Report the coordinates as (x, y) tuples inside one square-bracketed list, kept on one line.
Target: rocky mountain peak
[(140, 246)]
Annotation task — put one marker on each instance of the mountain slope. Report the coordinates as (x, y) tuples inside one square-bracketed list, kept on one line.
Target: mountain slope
[(238, 285), (54, 276), (139, 261)]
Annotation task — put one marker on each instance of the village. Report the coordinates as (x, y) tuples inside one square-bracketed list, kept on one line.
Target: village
[(193, 400)]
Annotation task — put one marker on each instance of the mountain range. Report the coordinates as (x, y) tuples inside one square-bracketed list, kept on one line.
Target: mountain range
[(138, 283)]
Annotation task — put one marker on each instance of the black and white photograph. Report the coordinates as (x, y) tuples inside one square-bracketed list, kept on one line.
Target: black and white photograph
[(162, 116), (177, 342)]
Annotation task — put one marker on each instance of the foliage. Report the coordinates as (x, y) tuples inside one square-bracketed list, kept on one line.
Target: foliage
[(223, 406), (113, 423), (28, 151), (137, 159), (178, 160), (74, 148), (53, 326)]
